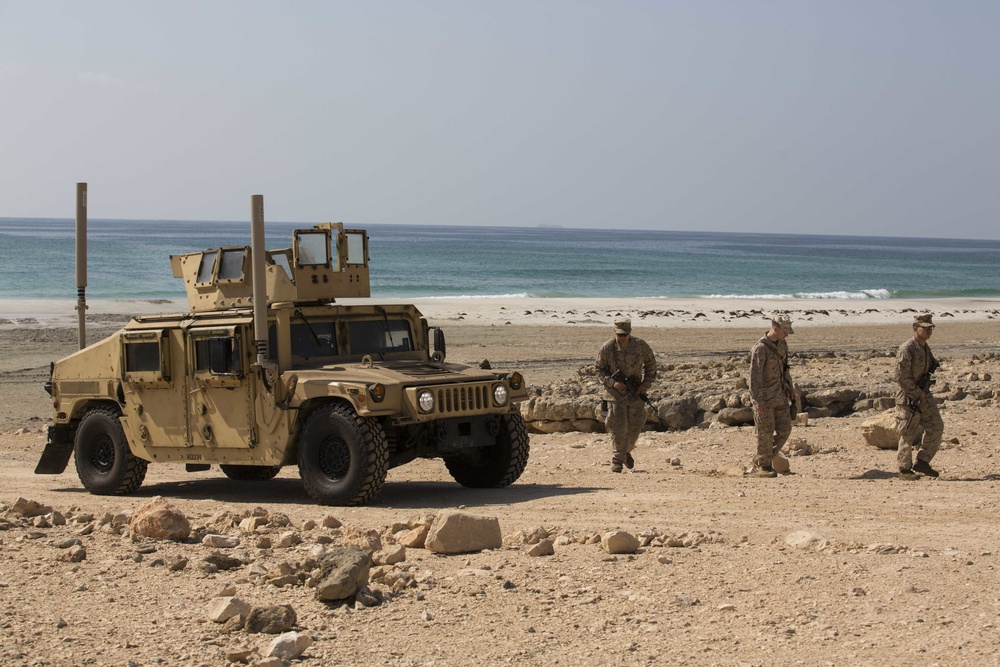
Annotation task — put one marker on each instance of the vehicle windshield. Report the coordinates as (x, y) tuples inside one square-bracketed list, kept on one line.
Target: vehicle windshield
[(315, 340), (378, 337)]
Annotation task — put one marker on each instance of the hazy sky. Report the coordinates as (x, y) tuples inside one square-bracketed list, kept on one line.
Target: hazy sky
[(841, 117)]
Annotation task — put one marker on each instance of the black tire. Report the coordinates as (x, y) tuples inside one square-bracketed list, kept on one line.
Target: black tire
[(250, 473), (104, 462), (343, 458), (496, 466)]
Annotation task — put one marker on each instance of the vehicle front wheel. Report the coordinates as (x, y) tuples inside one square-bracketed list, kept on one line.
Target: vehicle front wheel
[(104, 462), (250, 473), (496, 466), (343, 458)]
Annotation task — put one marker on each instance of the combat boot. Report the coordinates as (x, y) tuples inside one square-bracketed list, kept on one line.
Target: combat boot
[(908, 475), (616, 467), (763, 472), (629, 461), (924, 467)]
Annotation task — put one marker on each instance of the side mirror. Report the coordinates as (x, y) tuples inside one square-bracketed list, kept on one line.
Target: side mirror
[(439, 345)]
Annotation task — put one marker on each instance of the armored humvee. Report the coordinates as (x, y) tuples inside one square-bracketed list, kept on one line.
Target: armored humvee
[(267, 370)]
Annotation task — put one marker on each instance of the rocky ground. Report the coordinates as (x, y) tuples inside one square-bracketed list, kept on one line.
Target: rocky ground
[(837, 563)]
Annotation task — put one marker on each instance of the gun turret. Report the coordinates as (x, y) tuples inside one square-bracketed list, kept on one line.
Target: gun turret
[(324, 263)]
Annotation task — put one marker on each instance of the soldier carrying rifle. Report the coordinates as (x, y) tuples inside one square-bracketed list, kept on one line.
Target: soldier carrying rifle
[(917, 418), (626, 367)]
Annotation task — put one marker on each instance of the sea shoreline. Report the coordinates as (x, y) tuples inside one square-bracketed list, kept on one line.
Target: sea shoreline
[(600, 311)]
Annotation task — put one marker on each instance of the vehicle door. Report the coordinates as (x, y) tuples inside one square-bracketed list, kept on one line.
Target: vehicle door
[(220, 400)]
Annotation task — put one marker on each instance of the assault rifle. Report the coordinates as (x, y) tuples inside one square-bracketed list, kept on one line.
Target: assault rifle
[(631, 385), (924, 385)]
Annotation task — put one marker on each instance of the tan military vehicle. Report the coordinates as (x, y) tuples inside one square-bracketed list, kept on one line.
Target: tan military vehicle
[(267, 370)]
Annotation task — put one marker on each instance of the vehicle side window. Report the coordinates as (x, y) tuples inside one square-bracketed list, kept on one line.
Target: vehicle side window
[(142, 357), (146, 357), (218, 356), (379, 336)]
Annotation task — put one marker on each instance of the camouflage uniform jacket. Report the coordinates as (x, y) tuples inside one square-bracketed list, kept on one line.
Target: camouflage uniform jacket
[(770, 379), (636, 362), (912, 361)]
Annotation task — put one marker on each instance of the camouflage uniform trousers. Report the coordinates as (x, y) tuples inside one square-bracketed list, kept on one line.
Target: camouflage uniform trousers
[(773, 428), (624, 422), (925, 431)]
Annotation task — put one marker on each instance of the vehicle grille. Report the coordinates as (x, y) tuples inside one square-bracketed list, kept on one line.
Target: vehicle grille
[(462, 399)]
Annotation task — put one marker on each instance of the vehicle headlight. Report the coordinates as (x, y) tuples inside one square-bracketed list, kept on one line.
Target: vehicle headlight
[(500, 394), (425, 401)]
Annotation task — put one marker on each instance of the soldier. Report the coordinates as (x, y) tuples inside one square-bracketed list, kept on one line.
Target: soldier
[(771, 393), (917, 418), (631, 361)]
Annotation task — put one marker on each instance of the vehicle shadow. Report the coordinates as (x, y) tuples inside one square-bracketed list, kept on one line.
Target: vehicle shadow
[(401, 494)]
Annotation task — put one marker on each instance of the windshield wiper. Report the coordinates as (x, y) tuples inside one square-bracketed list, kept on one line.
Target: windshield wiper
[(388, 329), (298, 314)]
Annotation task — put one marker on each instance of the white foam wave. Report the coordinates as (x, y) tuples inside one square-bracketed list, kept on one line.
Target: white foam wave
[(841, 294), (522, 295)]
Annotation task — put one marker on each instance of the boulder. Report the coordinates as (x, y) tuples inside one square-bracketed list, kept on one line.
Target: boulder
[(824, 398), (619, 542), (344, 572), (807, 539), (880, 431), (457, 532), (160, 520), (288, 646), (735, 416), (677, 413), (270, 620), (29, 508)]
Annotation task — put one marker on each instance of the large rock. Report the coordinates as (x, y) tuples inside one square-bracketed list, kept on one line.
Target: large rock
[(735, 416), (160, 520), (457, 532), (560, 408), (619, 542), (270, 620), (29, 508), (824, 398), (288, 646), (345, 572), (807, 539), (677, 413), (880, 431)]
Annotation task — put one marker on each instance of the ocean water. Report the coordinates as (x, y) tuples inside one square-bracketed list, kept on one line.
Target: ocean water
[(129, 259)]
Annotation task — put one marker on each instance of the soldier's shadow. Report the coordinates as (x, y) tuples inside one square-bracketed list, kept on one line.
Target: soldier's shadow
[(888, 474)]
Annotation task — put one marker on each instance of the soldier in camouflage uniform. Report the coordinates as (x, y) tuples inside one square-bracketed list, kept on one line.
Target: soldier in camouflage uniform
[(627, 411), (917, 418), (771, 393)]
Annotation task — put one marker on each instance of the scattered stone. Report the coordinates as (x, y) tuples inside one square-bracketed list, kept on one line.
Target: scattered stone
[(271, 620), (619, 542), (344, 572), (880, 431), (159, 520), (806, 539), (542, 548), (457, 532), (28, 508), (288, 646), (224, 608), (220, 541)]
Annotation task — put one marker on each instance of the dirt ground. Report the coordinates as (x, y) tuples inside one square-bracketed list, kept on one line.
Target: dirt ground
[(906, 572)]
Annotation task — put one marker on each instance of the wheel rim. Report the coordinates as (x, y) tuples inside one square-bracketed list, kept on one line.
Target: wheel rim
[(335, 458), (102, 455)]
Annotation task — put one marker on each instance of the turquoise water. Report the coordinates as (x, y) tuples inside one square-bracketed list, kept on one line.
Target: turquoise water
[(130, 260)]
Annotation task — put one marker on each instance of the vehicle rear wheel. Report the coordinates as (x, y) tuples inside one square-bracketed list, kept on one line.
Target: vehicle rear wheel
[(250, 473), (104, 462), (496, 466), (343, 458)]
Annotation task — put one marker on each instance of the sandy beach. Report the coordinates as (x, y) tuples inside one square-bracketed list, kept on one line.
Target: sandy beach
[(900, 572)]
